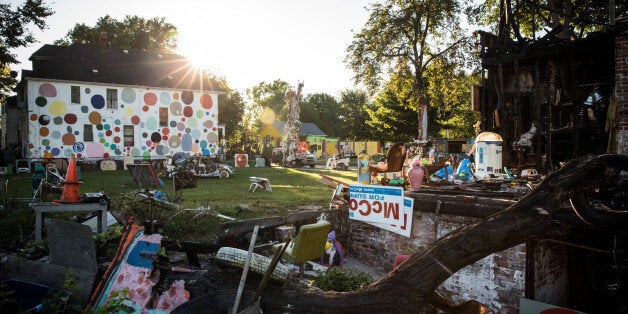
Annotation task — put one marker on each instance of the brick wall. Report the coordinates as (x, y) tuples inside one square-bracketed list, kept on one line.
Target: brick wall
[(497, 281), (621, 84), (551, 273)]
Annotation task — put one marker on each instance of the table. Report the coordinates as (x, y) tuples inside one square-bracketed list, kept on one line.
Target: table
[(47, 207)]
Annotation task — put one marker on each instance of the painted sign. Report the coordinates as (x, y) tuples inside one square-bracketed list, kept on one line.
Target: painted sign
[(382, 204), (403, 228)]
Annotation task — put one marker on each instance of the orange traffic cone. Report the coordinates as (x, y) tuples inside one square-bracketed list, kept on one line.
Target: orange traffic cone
[(71, 193)]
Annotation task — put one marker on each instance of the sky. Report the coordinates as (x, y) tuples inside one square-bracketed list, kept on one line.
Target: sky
[(246, 41)]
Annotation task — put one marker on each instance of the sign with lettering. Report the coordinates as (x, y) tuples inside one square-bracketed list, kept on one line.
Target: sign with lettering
[(405, 227), (376, 203)]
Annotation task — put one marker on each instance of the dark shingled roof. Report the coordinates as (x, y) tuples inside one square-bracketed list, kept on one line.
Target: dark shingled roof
[(77, 62), (306, 128)]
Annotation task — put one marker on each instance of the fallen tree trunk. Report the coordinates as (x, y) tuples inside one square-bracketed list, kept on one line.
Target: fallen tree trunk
[(410, 287)]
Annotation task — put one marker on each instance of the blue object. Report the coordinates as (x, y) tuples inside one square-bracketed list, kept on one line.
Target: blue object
[(464, 171), (27, 295), (142, 254), (444, 172)]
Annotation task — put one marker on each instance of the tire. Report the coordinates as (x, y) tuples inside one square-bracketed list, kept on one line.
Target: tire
[(341, 166), (605, 207), (312, 165), (224, 174)]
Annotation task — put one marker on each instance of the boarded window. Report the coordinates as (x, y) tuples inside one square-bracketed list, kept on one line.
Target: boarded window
[(163, 117), (112, 98), (75, 96), (129, 135), (88, 133)]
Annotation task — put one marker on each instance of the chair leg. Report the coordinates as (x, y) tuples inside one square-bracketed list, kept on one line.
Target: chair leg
[(301, 272)]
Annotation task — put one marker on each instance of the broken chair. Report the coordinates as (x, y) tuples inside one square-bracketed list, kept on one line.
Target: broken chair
[(394, 160), (309, 244), (258, 183)]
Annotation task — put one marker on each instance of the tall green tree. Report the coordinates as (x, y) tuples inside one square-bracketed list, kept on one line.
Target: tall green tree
[(449, 89), (354, 105), (403, 37), (14, 33), (131, 33), (327, 115), (393, 116), (270, 96)]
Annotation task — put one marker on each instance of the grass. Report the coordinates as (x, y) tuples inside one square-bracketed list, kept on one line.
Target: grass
[(291, 188)]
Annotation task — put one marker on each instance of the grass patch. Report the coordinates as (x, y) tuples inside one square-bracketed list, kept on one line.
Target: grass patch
[(292, 187)]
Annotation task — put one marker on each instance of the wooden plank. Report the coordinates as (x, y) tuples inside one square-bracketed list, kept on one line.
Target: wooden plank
[(234, 228)]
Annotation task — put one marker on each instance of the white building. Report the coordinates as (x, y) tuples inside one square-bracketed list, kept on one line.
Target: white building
[(109, 103)]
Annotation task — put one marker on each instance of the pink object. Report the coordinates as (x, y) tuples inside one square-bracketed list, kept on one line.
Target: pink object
[(173, 297), (416, 175), (400, 259)]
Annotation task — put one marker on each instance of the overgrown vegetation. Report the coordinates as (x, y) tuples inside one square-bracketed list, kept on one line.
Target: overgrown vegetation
[(342, 280)]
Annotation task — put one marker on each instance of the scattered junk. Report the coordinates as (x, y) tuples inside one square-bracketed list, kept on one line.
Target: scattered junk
[(336, 163), (200, 166), (258, 183), (27, 296)]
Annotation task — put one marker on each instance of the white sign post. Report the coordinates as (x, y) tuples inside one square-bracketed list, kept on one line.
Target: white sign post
[(381, 206)]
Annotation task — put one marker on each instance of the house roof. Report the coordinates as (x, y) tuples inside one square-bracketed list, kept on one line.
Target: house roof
[(306, 128), (88, 63)]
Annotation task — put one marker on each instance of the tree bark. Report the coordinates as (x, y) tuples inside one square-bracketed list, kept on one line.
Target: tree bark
[(410, 287)]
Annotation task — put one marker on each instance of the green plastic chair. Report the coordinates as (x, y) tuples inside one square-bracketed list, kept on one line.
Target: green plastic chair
[(309, 244)]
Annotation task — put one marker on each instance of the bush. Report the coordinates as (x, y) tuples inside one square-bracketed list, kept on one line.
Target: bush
[(341, 280)]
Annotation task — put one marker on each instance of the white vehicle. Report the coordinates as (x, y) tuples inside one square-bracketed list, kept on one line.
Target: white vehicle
[(337, 163)]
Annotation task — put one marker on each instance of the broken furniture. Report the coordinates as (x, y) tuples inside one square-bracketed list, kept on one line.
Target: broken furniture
[(258, 183), (395, 158), (41, 208), (309, 244)]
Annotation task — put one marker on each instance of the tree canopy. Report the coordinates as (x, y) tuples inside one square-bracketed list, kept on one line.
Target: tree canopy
[(131, 33), (403, 37), (354, 106), (529, 18), (14, 33)]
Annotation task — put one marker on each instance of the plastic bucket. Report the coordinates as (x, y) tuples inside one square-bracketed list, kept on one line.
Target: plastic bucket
[(27, 296)]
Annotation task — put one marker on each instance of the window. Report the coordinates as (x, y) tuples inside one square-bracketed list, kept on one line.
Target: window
[(163, 116), (112, 98), (75, 96), (88, 133), (129, 135)]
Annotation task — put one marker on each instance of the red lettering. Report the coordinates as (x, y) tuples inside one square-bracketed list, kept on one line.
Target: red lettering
[(353, 204), (368, 207), (378, 209), (391, 208)]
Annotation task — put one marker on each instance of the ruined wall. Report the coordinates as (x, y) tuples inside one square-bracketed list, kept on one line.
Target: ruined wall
[(551, 273), (497, 280), (621, 85)]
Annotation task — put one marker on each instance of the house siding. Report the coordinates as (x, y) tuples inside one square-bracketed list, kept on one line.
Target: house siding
[(56, 125)]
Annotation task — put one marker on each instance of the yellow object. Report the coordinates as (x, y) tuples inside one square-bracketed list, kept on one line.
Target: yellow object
[(308, 244)]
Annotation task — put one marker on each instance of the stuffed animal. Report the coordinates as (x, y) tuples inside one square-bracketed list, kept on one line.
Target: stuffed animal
[(334, 252)]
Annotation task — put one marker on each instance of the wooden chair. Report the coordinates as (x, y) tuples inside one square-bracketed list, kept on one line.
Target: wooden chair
[(394, 160), (309, 244)]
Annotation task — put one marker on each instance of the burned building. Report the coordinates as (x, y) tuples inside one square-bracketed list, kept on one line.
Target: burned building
[(570, 95)]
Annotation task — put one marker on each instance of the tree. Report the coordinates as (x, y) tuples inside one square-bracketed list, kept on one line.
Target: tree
[(327, 113), (450, 92), (410, 287), (524, 19), (131, 33), (14, 24), (354, 107), (230, 113), (403, 37), (271, 96), (392, 117)]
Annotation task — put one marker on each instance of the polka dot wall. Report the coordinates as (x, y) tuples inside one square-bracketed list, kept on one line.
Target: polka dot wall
[(157, 122)]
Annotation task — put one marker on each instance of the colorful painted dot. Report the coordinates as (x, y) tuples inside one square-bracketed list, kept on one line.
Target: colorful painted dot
[(98, 102)]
